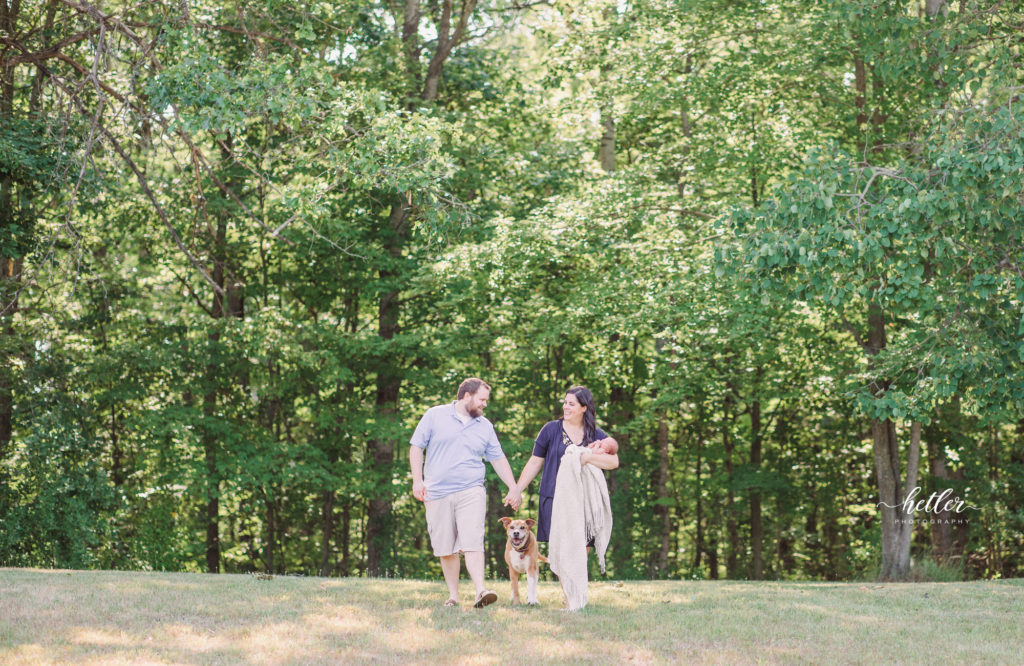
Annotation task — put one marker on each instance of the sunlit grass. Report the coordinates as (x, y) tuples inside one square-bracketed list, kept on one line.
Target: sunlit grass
[(131, 618)]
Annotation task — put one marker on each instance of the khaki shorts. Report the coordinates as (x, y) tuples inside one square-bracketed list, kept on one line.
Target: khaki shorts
[(456, 521)]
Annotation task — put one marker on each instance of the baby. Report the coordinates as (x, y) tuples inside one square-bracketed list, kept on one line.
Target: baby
[(606, 445)]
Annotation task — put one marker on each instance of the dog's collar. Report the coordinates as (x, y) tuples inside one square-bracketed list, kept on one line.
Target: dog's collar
[(526, 543)]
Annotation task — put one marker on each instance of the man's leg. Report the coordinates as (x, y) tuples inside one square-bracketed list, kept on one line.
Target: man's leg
[(470, 512), (441, 526), (450, 566), (475, 567)]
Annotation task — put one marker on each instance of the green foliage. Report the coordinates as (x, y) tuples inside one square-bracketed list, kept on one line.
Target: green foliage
[(926, 242), (56, 492), (785, 175), (30, 165)]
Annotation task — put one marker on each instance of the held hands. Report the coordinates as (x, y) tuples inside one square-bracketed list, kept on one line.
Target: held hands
[(514, 498)]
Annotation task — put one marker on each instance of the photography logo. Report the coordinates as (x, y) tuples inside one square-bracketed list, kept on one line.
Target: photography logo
[(938, 508)]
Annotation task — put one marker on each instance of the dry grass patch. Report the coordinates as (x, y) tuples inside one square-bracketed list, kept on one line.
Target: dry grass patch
[(149, 618)]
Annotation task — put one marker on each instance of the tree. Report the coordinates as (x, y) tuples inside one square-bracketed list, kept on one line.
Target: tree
[(897, 244)]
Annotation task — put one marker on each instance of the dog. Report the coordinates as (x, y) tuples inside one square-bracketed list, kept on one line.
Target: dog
[(523, 557)]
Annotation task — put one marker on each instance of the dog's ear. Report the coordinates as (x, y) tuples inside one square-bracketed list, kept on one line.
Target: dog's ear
[(505, 521), (530, 522)]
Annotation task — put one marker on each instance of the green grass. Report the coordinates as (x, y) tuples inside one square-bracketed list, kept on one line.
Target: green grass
[(105, 617)]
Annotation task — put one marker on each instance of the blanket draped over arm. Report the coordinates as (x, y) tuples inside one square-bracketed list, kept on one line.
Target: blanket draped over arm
[(581, 510)]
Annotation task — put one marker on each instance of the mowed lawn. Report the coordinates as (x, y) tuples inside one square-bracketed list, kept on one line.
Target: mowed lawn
[(106, 617)]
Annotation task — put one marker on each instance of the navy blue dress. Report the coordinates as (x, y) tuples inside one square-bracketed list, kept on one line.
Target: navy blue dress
[(550, 445)]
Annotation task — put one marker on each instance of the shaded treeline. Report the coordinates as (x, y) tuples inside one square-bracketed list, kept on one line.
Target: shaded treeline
[(245, 245)]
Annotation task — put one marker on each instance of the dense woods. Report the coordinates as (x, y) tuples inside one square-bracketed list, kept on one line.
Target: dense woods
[(244, 245)]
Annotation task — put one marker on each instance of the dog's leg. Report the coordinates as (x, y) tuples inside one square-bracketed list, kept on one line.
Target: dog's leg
[(514, 577), (531, 588)]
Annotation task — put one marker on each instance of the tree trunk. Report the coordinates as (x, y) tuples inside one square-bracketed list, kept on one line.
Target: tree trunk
[(937, 434), (860, 81), (993, 531), (1014, 505), (698, 546), (345, 568), (756, 530), (212, 492), (783, 560), (227, 301), (389, 377), (494, 533), (732, 528), (327, 500), (933, 7), (10, 266), (379, 520), (210, 438), (327, 515), (381, 450), (117, 472), (830, 537), (687, 128), (620, 412), (607, 150), (410, 45), (339, 449), (897, 525), (447, 39), (784, 552), (714, 520), (662, 510), (10, 286), (269, 551)]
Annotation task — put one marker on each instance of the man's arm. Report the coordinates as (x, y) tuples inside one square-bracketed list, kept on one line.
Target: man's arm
[(419, 490), (504, 471)]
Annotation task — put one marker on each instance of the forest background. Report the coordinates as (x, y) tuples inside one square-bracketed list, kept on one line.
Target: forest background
[(246, 244)]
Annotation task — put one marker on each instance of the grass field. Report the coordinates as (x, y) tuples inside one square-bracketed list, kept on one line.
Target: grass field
[(105, 617)]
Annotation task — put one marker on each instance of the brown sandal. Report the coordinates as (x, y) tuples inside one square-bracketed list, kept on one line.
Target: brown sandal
[(485, 598), (451, 602)]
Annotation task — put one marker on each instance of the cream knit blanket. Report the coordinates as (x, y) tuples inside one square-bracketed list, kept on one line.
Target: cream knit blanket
[(580, 510)]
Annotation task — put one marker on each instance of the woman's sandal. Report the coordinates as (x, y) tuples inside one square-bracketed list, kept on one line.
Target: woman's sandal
[(451, 602)]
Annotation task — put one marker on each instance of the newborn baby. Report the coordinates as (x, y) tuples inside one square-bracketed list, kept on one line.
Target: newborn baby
[(606, 445)]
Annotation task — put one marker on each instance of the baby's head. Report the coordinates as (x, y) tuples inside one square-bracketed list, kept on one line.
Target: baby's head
[(609, 446)]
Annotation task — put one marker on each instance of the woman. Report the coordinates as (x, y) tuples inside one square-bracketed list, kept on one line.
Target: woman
[(577, 427), (592, 446)]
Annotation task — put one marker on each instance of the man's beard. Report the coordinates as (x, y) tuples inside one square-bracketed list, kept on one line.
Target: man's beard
[(475, 413)]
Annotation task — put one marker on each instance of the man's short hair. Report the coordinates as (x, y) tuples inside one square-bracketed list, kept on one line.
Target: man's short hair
[(471, 385)]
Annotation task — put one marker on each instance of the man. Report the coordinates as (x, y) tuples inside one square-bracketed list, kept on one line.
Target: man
[(456, 438)]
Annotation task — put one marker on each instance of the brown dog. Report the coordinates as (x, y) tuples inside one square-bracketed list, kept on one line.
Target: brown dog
[(522, 557)]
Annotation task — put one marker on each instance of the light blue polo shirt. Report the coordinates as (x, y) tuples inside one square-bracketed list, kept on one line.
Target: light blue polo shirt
[(455, 450)]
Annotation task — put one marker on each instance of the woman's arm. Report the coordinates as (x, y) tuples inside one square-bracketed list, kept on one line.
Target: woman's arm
[(530, 471), (603, 454), (605, 461)]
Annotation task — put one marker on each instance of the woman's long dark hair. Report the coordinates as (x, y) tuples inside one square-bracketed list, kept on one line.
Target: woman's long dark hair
[(586, 398)]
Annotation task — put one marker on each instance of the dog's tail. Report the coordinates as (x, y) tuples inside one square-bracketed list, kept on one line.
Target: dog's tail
[(542, 558)]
